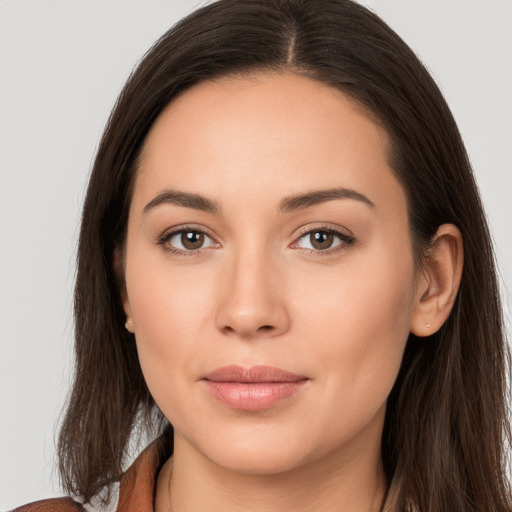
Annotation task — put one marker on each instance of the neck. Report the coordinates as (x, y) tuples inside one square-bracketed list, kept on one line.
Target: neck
[(351, 480)]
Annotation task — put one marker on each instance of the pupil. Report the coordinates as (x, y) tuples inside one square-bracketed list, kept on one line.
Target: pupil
[(321, 239), (192, 239)]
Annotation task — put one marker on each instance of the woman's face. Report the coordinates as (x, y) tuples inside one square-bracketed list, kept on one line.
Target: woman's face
[(269, 272)]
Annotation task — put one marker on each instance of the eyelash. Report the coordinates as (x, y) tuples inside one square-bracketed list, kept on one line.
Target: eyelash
[(345, 241)]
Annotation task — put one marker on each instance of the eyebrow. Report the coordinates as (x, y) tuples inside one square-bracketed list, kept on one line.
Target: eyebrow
[(288, 204), (185, 199), (314, 197)]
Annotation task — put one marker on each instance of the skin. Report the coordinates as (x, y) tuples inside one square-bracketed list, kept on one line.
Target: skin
[(258, 292)]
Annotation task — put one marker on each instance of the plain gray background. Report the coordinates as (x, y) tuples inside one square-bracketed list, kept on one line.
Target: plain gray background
[(62, 64)]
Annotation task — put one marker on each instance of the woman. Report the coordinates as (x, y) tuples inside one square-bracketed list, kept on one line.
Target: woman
[(283, 255)]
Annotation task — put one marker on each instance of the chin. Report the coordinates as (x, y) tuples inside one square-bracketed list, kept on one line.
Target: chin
[(257, 462), (263, 451)]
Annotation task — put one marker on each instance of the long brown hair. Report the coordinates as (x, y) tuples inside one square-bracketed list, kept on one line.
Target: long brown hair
[(446, 428)]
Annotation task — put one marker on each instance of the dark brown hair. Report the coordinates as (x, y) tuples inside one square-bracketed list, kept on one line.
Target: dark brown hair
[(446, 428)]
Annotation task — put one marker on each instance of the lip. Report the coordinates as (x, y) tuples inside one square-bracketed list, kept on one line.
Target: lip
[(252, 389)]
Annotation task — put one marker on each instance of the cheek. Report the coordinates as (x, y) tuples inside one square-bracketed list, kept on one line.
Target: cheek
[(170, 310), (358, 330)]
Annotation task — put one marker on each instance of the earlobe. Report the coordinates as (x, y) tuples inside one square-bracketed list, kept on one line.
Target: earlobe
[(439, 282), (129, 324), (118, 265)]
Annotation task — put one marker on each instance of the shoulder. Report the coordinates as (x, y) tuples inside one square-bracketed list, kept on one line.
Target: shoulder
[(52, 505)]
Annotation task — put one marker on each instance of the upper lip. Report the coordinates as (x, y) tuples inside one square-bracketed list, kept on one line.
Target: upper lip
[(261, 373)]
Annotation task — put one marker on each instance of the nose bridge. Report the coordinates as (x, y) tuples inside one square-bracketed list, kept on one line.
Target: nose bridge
[(253, 299)]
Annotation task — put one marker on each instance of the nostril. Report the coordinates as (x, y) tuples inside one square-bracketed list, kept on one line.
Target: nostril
[(263, 328)]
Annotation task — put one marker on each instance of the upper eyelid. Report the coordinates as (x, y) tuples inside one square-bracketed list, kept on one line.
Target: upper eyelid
[(301, 231), (343, 231), (187, 227)]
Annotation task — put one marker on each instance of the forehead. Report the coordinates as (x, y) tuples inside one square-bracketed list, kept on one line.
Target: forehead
[(272, 134)]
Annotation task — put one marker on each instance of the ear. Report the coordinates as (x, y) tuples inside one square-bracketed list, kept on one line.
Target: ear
[(118, 264), (438, 282)]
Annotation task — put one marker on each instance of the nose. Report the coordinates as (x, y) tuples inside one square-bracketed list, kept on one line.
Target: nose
[(252, 298)]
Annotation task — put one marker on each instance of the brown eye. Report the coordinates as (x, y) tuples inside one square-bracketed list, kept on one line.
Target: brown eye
[(321, 239), (186, 240), (192, 239)]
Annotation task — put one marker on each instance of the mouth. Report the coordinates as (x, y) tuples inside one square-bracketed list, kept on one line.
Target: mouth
[(252, 389)]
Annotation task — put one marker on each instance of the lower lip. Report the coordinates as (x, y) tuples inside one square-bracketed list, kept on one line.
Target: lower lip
[(253, 396)]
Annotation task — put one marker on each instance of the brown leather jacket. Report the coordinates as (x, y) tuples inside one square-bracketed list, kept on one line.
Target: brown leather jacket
[(134, 493)]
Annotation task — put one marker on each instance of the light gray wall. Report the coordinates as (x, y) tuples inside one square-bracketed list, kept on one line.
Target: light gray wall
[(62, 64)]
